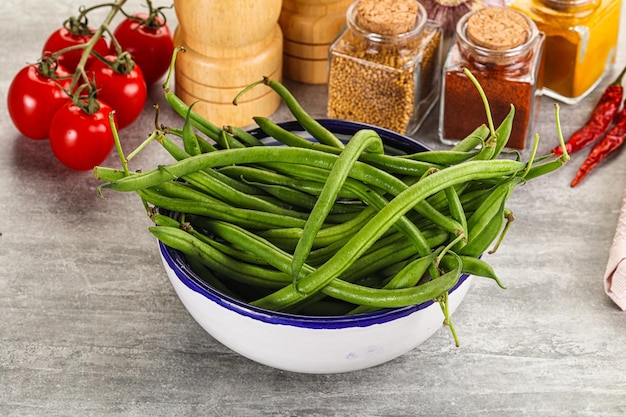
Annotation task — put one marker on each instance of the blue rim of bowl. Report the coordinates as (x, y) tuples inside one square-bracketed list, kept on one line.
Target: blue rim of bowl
[(176, 261)]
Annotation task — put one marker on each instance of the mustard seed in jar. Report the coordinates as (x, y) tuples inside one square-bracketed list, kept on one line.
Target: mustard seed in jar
[(384, 68)]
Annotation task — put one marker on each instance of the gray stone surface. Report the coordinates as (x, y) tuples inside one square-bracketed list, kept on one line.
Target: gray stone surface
[(91, 327)]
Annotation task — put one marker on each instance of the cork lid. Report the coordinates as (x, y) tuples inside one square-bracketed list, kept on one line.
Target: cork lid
[(387, 17), (498, 28)]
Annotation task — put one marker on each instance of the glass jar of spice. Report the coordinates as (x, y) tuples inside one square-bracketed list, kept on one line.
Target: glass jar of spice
[(385, 66), (502, 48), (581, 42)]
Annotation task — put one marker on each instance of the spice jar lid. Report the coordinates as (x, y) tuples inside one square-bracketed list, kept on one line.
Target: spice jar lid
[(496, 35), (497, 28), (387, 17)]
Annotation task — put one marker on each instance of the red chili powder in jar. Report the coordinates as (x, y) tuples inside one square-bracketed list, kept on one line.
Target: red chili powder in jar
[(502, 49), (465, 109)]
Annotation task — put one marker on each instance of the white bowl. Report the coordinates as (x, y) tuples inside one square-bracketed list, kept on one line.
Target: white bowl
[(303, 343)]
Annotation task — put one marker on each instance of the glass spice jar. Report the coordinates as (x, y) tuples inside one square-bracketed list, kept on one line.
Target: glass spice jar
[(502, 48), (385, 70), (580, 46)]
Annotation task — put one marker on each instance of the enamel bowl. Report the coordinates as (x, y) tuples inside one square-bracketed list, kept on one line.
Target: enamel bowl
[(307, 344)]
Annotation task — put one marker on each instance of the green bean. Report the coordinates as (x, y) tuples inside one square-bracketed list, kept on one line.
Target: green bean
[(392, 298), (190, 141), (257, 154), (207, 276), (546, 168), (319, 132), (339, 288), (209, 175), (197, 120), (494, 144), (487, 221), (303, 200), (390, 184), (203, 143), (503, 132), (388, 163), (362, 140), (379, 224), (289, 138), (254, 174), (289, 237), (476, 267), (441, 158), (245, 137), (217, 261), (249, 218), (109, 174), (374, 199), (407, 277), (396, 250), (473, 140), (457, 212), (233, 252)]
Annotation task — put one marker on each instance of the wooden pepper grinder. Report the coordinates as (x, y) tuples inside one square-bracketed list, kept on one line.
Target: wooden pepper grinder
[(309, 27), (229, 45)]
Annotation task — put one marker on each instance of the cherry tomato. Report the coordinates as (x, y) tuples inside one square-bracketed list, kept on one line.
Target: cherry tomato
[(63, 38), (33, 98), (150, 45), (126, 93), (80, 140)]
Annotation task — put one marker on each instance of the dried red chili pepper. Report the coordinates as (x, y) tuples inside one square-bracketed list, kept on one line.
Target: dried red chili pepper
[(608, 144), (600, 120)]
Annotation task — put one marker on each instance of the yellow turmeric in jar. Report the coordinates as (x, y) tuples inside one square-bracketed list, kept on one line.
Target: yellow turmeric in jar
[(580, 46)]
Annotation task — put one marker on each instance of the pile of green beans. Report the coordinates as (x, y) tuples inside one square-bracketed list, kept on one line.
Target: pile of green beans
[(323, 227)]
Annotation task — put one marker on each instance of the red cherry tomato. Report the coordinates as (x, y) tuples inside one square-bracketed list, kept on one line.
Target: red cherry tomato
[(125, 93), (33, 98), (80, 140), (63, 38), (151, 46)]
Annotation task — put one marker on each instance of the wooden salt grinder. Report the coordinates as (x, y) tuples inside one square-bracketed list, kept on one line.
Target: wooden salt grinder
[(309, 27), (229, 45)]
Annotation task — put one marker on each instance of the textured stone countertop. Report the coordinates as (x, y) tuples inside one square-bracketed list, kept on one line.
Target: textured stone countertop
[(91, 326)]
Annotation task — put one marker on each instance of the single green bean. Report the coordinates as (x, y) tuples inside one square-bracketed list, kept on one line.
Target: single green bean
[(190, 141), (473, 140), (457, 212), (199, 122), (504, 131), (474, 266), (245, 137), (319, 132), (203, 143)]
